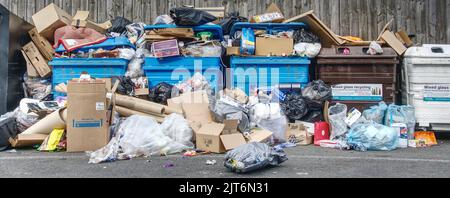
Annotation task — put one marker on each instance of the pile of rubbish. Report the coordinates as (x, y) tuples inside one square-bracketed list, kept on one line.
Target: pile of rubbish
[(120, 117)]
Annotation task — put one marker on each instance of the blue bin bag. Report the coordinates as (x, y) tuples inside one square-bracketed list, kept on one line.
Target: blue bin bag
[(216, 30), (109, 44), (370, 136)]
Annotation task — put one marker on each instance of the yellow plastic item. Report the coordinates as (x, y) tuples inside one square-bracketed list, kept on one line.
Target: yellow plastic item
[(53, 140)]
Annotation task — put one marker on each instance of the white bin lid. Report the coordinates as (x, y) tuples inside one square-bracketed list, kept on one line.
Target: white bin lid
[(429, 51)]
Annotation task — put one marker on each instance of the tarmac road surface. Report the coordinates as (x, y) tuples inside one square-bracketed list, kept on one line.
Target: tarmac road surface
[(304, 162)]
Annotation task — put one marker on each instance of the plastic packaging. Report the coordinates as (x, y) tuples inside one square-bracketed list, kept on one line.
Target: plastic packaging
[(402, 114), (211, 49), (270, 117), (375, 48), (135, 66), (127, 53), (248, 41), (317, 90), (376, 113), (303, 36), (228, 109), (294, 107), (252, 157), (119, 25), (184, 16), (337, 115), (8, 129), (370, 136), (310, 50), (197, 83), (229, 20), (143, 136), (126, 85), (163, 19), (162, 92), (135, 31)]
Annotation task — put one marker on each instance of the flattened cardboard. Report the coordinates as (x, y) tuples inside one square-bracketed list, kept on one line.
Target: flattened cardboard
[(87, 127), (259, 135), (38, 61), (176, 32), (327, 37), (208, 138), (232, 141), (49, 19), (403, 36), (81, 20), (233, 51), (23, 140), (274, 46), (393, 42), (42, 44), (31, 71)]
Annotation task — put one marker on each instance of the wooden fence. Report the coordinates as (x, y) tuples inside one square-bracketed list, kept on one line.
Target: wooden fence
[(429, 20)]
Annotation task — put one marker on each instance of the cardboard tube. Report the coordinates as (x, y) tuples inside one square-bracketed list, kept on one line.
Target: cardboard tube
[(139, 105), (170, 110), (45, 126), (128, 112)]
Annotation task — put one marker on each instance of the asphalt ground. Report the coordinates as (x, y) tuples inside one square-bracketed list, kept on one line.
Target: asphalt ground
[(304, 162)]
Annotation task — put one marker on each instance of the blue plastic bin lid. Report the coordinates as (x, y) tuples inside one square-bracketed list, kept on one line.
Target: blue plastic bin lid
[(270, 27), (109, 44), (215, 29)]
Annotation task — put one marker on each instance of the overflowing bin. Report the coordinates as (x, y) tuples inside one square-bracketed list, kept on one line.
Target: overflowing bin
[(251, 72), (426, 84), (176, 69), (66, 69), (358, 79)]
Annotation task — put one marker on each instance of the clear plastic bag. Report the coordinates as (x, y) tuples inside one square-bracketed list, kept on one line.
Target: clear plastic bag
[(376, 113), (402, 114), (178, 129), (127, 53), (370, 136), (143, 136), (317, 90), (253, 156), (337, 115), (270, 117)]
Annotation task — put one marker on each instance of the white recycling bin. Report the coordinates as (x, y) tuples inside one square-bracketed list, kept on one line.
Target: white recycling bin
[(426, 85)]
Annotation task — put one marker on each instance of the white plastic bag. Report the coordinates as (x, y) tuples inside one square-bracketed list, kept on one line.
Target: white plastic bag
[(127, 53), (269, 117), (177, 128), (337, 115)]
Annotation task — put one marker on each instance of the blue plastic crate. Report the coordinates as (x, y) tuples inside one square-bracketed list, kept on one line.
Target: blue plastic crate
[(65, 69), (248, 73), (109, 44), (178, 69)]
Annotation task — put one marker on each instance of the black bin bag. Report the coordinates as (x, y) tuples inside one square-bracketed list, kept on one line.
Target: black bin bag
[(184, 16)]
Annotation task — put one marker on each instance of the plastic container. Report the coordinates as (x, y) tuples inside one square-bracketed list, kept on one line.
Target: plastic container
[(285, 73), (265, 73), (174, 70), (426, 84), (65, 69), (359, 80), (178, 69)]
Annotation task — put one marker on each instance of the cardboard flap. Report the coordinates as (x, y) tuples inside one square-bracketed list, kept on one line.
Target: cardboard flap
[(214, 129), (81, 15), (231, 125), (259, 135), (327, 36), (393, 42), (232, 141)]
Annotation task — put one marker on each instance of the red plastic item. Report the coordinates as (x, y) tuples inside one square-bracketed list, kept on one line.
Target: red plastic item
[(321, 132)]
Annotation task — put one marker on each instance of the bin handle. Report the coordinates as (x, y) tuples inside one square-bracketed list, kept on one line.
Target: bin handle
[(437, 50)]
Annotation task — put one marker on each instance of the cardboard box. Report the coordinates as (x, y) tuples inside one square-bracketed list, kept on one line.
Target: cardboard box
[(298, 134), (274, 46), (273, 14), (327, 37), (87, 116), (233, 51), (38, 61), (42, 44), (231, 127), (393, 42), (259, 135), (49, 19), (195, 106), (31, 71), (232, 141), (167, 48), (208, 138), (81, 20), (24, 140)]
